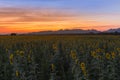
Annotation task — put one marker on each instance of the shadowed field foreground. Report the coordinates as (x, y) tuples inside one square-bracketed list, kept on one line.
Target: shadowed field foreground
[(84, 57)]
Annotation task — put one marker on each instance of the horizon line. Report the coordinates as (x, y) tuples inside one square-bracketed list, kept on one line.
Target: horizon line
[(54, 31)]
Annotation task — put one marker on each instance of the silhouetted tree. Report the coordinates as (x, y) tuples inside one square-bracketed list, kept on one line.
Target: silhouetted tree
[(13, 34)]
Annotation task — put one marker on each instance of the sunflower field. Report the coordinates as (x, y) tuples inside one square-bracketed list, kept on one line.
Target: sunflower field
[(65, 57)]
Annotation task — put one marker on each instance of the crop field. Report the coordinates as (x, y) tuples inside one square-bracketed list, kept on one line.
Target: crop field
[(78, 57)]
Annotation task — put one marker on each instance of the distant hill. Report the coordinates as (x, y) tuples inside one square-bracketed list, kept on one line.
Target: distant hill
[(113, 30), (76, 31), (73, 31)]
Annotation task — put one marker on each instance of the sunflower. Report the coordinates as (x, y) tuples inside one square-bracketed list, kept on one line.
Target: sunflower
[(17, 73), (11, 58), (73, 55), (82, 65), (108, 56), (113, 55)]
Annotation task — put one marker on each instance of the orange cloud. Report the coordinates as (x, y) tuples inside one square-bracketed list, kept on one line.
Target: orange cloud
[(33, 15)]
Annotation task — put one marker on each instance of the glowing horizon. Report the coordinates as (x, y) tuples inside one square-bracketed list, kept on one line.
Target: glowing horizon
[(22, 16)]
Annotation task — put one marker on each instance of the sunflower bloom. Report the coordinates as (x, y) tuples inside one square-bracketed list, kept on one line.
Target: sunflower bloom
[(93, 54), (21, 53), (17, 73), (54, 46), (29, 58), (113, 55), (82, 65), (73, 55), (107, 55), (53, 67), (11, 58)]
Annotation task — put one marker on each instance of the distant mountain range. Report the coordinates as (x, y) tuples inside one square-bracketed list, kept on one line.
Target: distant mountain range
[(75, 31), (113, 30)]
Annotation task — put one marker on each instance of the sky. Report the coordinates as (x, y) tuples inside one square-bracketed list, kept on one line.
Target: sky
[(22, 16)]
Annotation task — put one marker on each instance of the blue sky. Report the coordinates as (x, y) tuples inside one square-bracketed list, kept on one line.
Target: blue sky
[(78, 5)]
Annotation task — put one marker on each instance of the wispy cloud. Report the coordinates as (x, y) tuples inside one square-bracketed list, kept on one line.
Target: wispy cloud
[(8, 14)]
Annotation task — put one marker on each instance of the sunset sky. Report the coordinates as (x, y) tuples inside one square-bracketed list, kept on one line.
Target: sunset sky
[(23, 16)]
